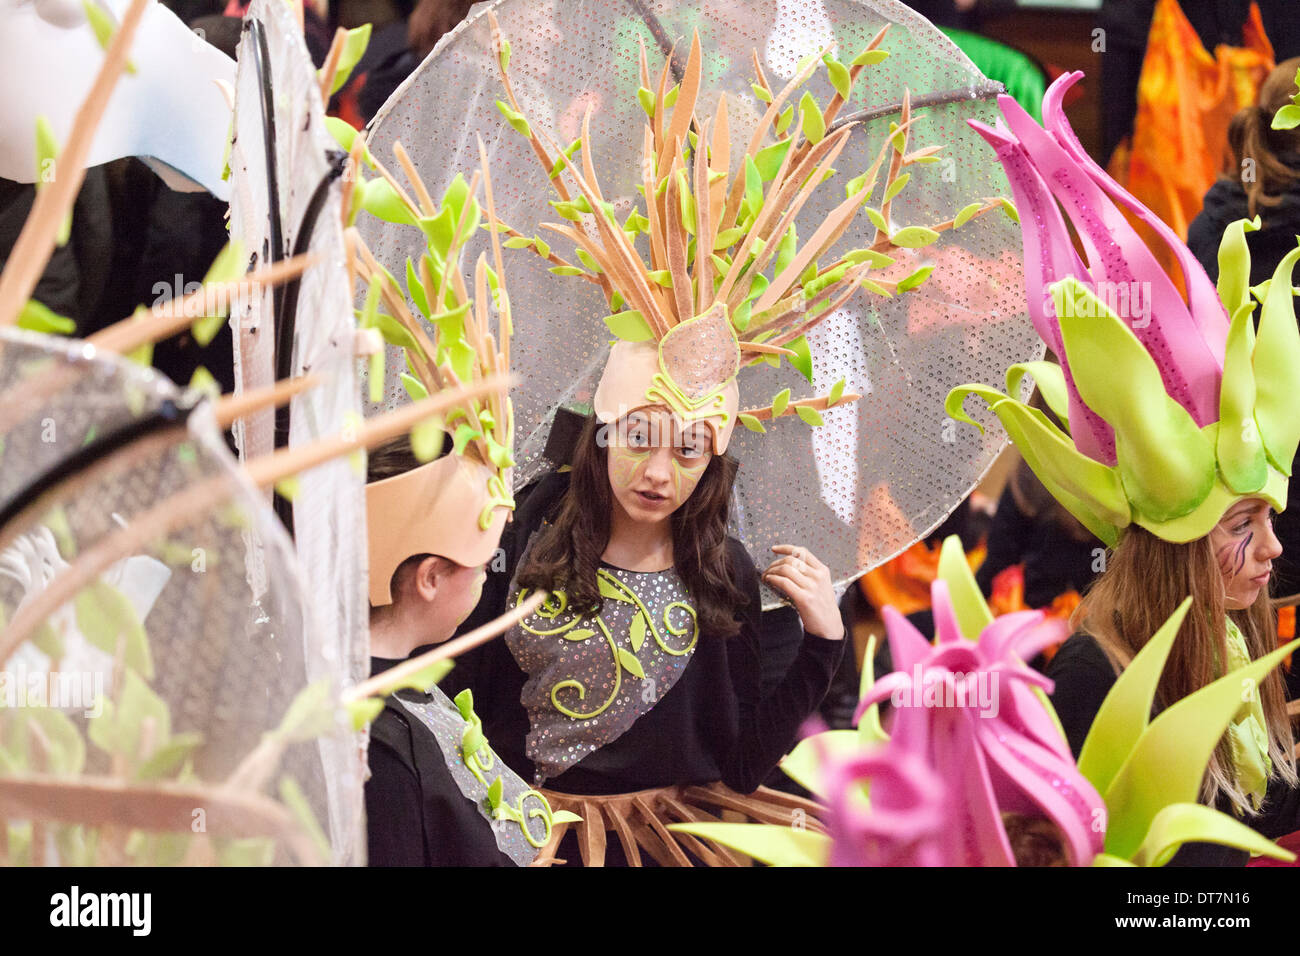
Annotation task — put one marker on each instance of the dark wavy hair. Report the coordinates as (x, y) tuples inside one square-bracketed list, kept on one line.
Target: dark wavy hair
[(567, 552)]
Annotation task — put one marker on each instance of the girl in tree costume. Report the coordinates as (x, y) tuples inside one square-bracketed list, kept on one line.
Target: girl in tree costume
[(1181, 432), (634, 692)]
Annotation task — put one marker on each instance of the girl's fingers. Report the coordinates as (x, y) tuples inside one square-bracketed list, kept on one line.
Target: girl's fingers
[(784, 582), (802, 554), (792, 570)]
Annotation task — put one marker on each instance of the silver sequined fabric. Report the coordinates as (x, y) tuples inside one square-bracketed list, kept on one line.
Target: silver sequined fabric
[(880, 473), (589, 665), (444, 721)]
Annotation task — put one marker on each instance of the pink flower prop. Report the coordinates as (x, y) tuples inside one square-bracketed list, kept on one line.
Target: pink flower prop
[(965, 715)]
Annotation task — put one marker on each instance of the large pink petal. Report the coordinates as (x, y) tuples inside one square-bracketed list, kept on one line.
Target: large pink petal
[(1203, 301), (1118, 260), (1049, 257)]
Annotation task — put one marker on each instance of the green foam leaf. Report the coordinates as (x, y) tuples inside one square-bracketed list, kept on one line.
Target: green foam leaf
[(913, 237), (1164, 460), (839, 76), (630, 663), (774, 845), (869, 57), (810, 416), (811, 121), (1238, 445), (354, 47), (802, 359), (629, 326), (1125, 712), (37, 317), (1168, 761), (968, 604), (1276, 363)]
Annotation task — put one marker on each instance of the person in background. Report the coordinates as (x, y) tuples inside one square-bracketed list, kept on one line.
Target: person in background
[(1269, 187)]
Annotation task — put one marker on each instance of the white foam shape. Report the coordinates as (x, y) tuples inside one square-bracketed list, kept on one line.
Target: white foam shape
[(170, 113)]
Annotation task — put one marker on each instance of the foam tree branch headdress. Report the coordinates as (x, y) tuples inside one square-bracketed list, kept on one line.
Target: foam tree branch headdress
[(727, 282), (574, 119), (455, 506), (956, 760), (1172, 408)]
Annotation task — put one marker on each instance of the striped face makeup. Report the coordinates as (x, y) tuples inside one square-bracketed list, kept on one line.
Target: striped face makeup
[(654, 464), (1244, 547)]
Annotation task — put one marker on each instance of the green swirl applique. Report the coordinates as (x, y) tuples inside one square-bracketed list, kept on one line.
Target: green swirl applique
[(474, 749), (643, 624), (480, 758), (501, 810)]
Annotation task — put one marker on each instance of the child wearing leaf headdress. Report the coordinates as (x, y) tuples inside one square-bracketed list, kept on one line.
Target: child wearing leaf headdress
[(437, 794)]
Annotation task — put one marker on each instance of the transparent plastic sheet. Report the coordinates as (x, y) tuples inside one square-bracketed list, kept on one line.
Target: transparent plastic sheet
[(160, 691), (882, 472), (329, 504)]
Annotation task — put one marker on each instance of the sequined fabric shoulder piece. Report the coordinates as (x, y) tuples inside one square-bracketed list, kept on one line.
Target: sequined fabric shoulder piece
[(525, 824), (591, 676)]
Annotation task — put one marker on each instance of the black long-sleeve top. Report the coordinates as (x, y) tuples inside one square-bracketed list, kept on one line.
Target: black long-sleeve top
[(415, 813), (715, 723), (1084, 676)]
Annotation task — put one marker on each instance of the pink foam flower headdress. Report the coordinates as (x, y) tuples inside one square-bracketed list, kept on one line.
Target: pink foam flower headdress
[(1173, 408)]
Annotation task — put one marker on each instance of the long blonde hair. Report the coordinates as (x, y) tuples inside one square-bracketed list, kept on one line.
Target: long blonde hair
[(1146, 578)]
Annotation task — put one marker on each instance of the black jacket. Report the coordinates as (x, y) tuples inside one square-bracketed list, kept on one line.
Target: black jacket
[(1084, 676), (415, 813)]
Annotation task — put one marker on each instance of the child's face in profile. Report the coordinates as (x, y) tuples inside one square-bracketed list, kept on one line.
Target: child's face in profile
[(459, 590)]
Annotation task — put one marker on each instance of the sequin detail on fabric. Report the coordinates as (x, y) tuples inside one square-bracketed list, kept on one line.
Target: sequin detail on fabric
[(701, 355), (520, 816), (590, 677)]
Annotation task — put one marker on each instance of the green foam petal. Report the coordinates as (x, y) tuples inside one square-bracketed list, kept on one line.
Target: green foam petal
[(1277, 369), (1165, 462), (870, 730), (1050, 379), (954, 404), (1234, 265), (1239, 447), (1106, 859), (1088, 489), (1124, 713), (968, 603), (1169, 760), (1202, 519), (767, 843), (1186, 822), (804, 763)]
